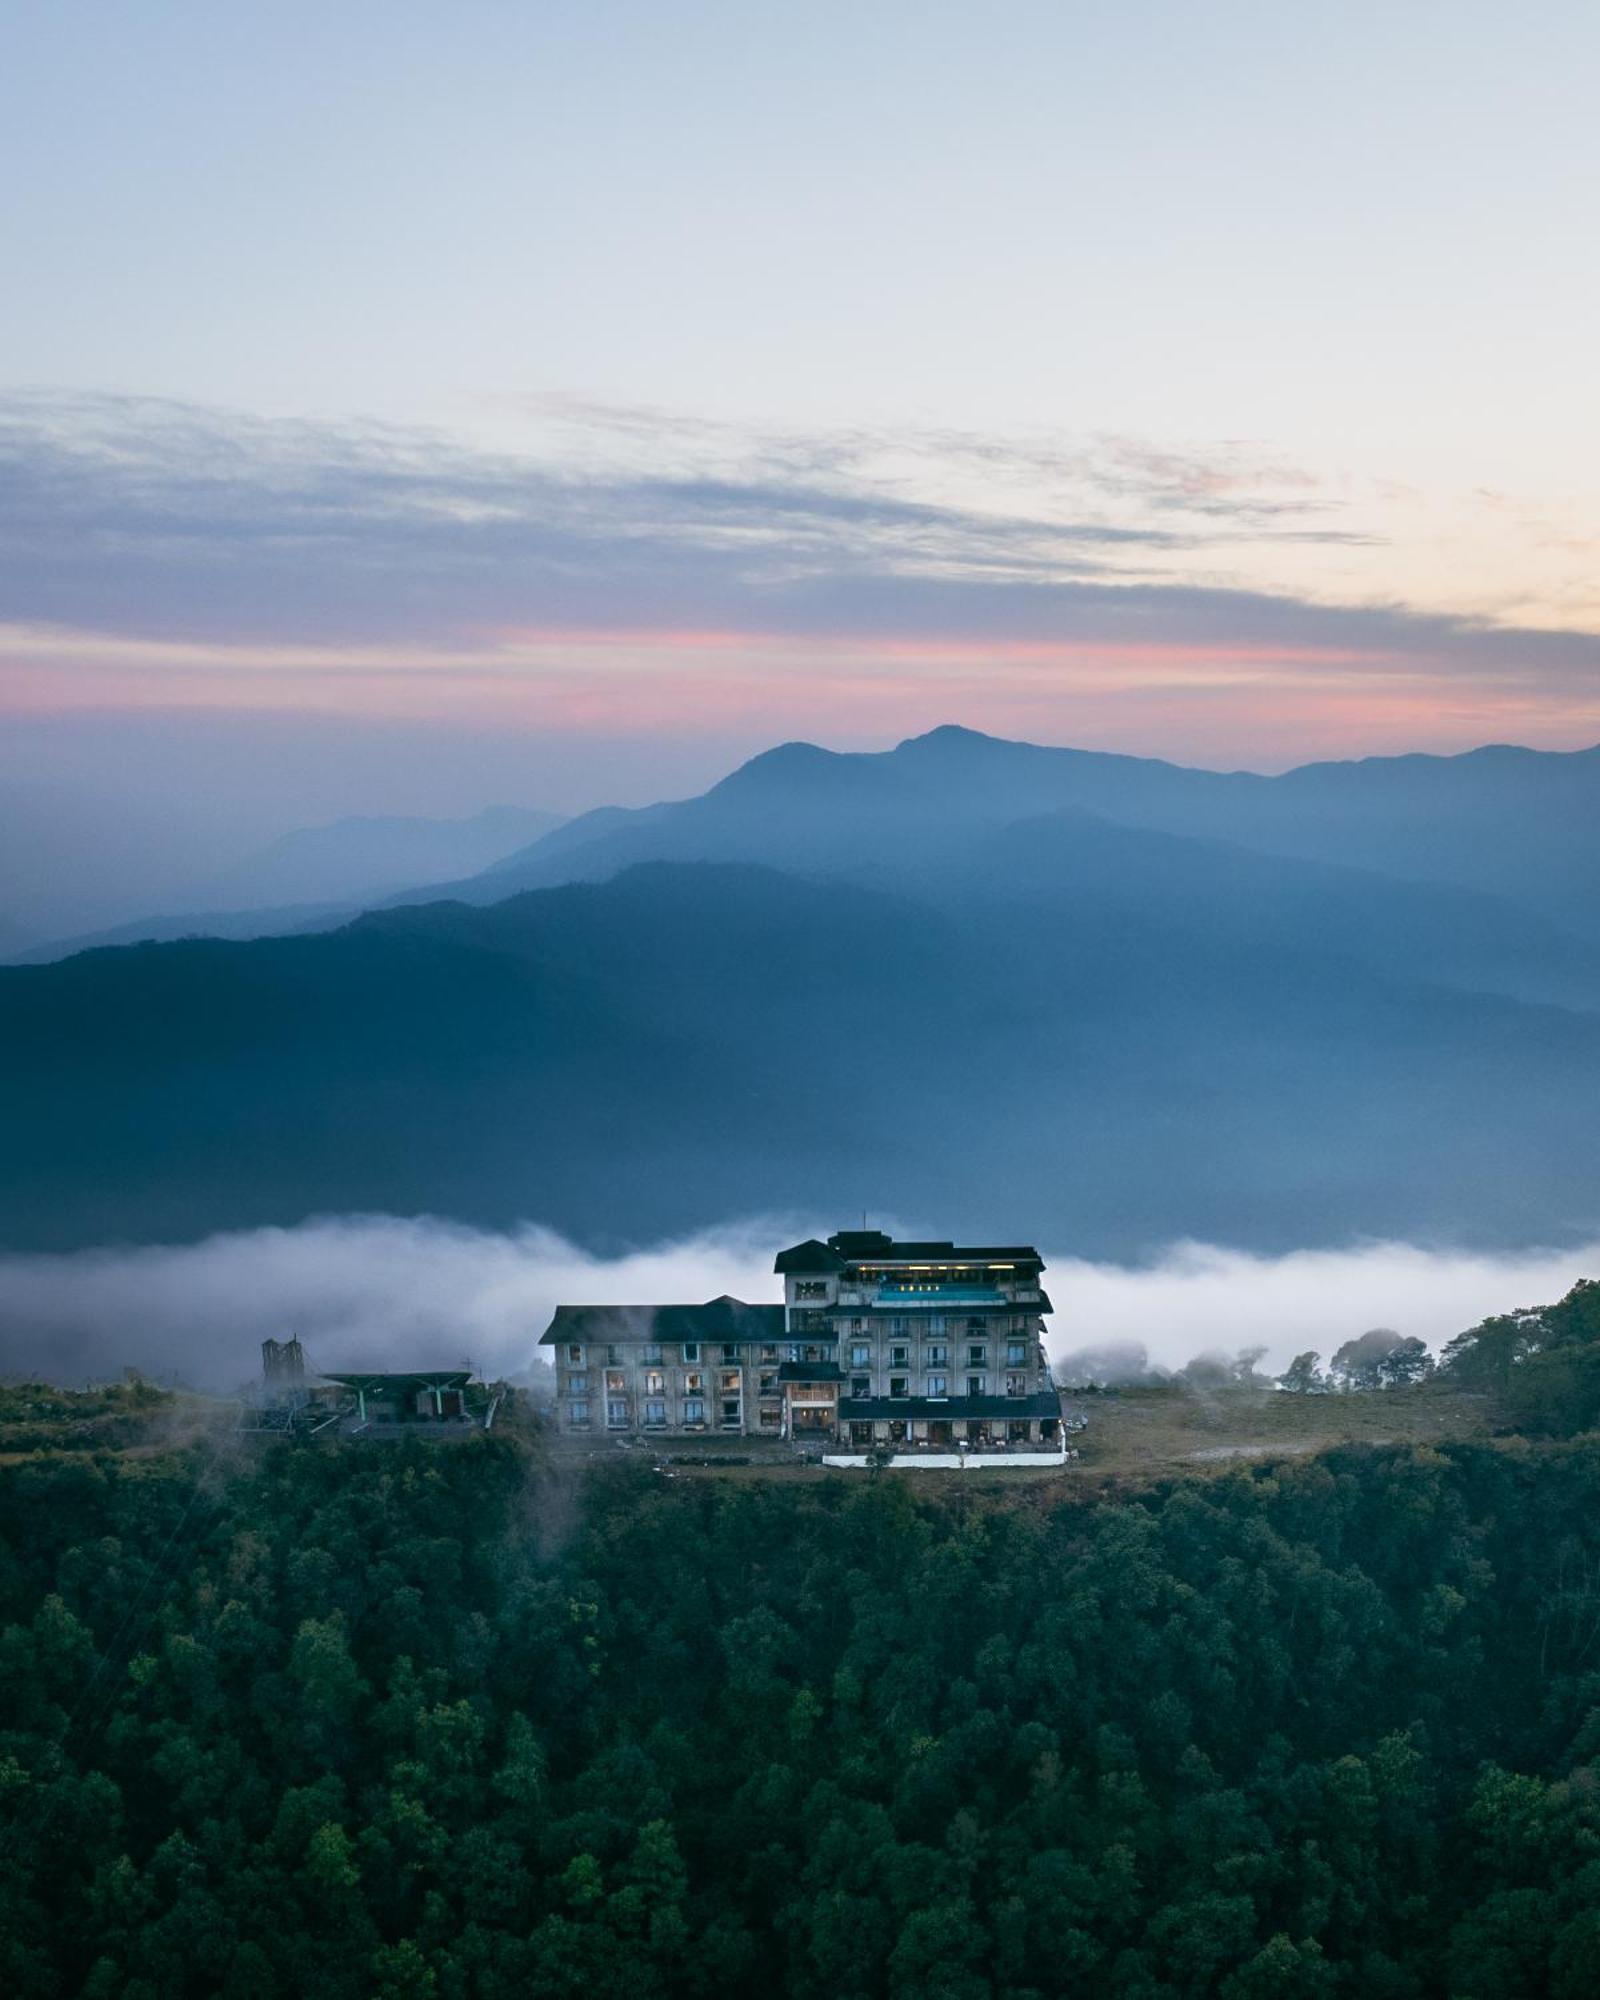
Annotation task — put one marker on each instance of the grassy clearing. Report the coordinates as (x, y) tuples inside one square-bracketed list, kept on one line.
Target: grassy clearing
[(1173, 1426)]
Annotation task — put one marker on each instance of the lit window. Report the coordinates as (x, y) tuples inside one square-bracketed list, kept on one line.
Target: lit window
[(654, 1382), (730, 1382), (616, 1381), (694, 1382)]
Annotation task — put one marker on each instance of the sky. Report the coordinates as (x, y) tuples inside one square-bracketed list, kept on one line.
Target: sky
[(416, 408)]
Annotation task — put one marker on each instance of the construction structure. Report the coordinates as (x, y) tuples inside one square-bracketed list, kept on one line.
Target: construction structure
[(440, 1404), (878, 1348)]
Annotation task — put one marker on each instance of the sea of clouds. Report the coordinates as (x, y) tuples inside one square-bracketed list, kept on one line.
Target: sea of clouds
[(371, 1289)]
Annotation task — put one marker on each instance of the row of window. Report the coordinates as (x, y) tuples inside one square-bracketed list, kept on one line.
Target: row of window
[(653, 1414), (654, 1405)]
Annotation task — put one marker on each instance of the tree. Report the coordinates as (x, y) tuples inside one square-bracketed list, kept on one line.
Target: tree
[(1380, 1359), (1304, 1376)]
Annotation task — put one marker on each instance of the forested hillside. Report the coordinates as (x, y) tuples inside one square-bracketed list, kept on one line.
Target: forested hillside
[(413, 1723)]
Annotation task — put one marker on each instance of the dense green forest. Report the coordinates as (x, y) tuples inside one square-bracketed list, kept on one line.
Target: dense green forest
[(295, 1720)]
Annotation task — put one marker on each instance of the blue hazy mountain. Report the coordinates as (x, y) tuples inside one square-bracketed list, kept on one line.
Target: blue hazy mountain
[(319, 875), (1127, 1036), (1521, 825)]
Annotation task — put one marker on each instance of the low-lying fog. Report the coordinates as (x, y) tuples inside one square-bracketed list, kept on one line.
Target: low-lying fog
[(366, 1290)]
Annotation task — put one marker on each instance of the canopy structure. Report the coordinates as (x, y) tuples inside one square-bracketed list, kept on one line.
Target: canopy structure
[(423, 1394)]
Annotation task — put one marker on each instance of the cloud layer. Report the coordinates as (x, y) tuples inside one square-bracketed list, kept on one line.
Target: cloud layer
[(364, 1289), (149, 520)]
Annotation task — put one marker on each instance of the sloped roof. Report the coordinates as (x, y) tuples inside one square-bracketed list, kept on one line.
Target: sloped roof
[(725, 1319)]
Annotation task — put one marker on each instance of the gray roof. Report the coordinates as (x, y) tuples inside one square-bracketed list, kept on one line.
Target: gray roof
[(727, 1320)]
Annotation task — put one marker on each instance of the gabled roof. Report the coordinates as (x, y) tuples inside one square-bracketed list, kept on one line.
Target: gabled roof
[(805, 1258), (725, 1319)]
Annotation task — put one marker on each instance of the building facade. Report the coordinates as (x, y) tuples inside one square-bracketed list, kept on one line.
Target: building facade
[(876, 1343)]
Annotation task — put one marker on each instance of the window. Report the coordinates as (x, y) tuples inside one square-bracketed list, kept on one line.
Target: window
[(730, 1415), (792, 1351), (937, 1355), (617, 1415), (975, 1327), (730, 1382), (655, 1414), (1016, 1385), (899, 1326), (974, 1385), (730, 1351), (936, 1323), (861, 1356), (577, 1413), (978, 1356), (574, 1356), (899, 1385), (771, 1419), (938, 1385), (654, 1382), (811, 1288), (616, 1381), (861, 1385), (767, 1386), (691, 1350), (769, 1353), (651, 1351), (897, 1356), (693, 1382), (577, 1385), (694, 1411), (1016, 1353), (613, 1356)]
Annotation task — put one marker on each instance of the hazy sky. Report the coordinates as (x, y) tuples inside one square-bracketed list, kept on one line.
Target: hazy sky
[(408, 406)]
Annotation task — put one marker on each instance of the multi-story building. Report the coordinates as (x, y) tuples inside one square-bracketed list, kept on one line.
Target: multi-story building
[(876, 1343)]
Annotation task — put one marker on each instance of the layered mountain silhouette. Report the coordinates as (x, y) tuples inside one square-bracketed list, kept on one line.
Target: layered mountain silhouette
[(1521, 825), (928, 982)]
